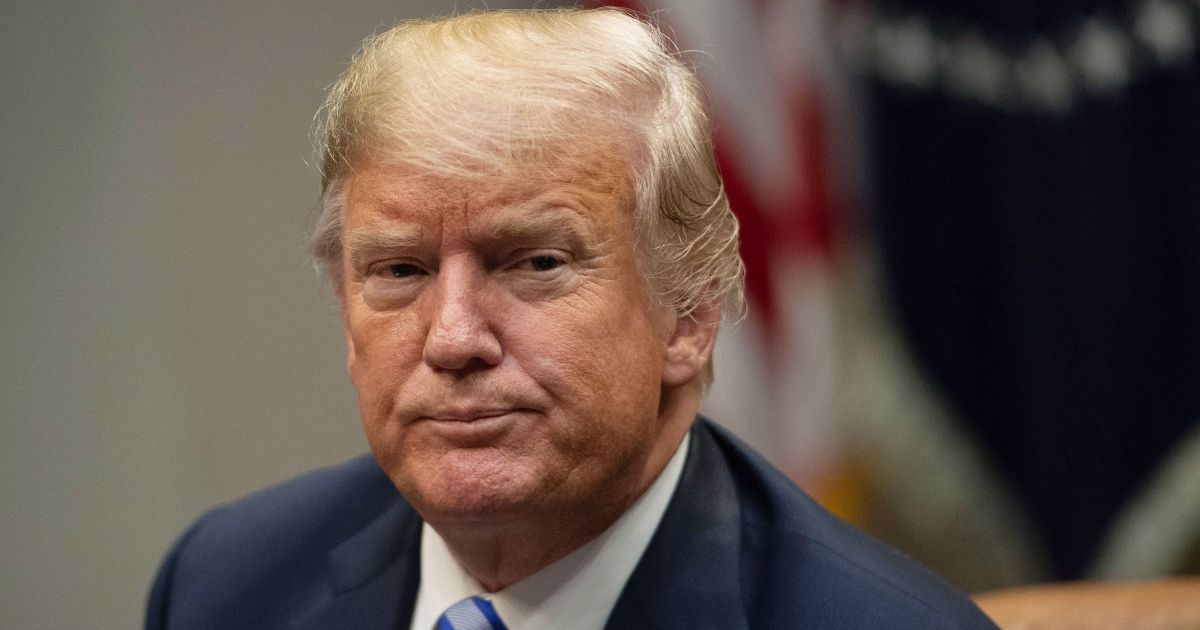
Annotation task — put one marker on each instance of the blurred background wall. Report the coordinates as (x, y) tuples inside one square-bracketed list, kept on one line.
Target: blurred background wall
[(970, 231)]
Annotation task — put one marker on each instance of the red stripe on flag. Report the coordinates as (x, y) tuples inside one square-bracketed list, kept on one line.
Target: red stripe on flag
[(811, 227), (754, 236)]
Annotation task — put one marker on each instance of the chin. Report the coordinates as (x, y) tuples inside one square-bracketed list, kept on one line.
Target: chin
[(471, 485)]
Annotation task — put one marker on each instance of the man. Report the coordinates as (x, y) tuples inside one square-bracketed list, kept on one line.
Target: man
[(525, 228)]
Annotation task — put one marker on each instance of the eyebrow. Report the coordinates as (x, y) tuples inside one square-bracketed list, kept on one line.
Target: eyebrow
[(554, 224), (363, 243)]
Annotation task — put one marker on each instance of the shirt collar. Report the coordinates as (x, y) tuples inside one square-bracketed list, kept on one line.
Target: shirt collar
[(578, 591)]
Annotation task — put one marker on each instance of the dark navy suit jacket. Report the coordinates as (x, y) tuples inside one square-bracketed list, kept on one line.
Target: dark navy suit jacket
[(739, 547)]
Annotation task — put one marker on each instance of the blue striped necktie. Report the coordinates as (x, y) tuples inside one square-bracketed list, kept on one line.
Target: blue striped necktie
[(472, 613)]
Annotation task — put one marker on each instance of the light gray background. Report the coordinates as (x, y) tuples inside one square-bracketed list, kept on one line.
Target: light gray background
[(164, 344)]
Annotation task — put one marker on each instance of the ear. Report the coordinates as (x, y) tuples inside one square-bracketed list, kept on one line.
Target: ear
[(691, 345)]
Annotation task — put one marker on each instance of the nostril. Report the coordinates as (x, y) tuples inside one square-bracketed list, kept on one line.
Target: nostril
[(474, 365)]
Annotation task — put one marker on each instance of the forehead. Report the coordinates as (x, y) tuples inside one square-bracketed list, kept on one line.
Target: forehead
[(589, 179)]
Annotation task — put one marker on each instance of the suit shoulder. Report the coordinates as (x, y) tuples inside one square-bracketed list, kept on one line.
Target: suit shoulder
[(325, 503), (269, 551), (801, 562)]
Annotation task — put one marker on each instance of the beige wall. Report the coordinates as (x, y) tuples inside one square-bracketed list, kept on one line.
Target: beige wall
[(164, 344)]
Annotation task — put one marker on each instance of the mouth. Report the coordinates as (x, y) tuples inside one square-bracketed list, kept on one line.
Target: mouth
[(469, 415), (474, 427)]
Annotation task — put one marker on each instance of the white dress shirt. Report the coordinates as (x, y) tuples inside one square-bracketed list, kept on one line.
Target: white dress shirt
[(577, 592)]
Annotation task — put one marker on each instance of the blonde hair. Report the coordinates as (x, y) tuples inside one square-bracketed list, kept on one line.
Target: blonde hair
[(483, 93)]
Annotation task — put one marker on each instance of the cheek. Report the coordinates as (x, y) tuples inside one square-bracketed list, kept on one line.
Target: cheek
[(387, 349), (598, 357)]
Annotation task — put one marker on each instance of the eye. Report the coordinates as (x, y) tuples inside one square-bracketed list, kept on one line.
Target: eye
[(403, 270), (544, 263)]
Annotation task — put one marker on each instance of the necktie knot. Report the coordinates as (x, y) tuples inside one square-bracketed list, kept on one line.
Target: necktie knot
[(472, 613)]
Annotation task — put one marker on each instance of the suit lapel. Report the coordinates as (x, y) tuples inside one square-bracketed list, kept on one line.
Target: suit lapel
[(374, 576), (689, 577)]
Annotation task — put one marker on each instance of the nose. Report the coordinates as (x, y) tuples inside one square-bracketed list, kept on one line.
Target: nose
[(460, 337)]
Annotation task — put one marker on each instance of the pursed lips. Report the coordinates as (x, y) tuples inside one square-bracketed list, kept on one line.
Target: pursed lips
[(470, 414), (473, 427)]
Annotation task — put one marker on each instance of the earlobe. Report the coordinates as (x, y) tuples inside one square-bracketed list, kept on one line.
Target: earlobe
[(691, 345), (350, 358), (349, 352)]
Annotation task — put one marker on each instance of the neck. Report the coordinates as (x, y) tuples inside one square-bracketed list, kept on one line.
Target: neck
[(500, 554)]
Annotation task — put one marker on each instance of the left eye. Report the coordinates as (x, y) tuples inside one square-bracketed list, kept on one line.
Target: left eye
[(544, 263), (403, 270)]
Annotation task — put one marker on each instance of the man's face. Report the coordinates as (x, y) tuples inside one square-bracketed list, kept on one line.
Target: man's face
[(507, 356)]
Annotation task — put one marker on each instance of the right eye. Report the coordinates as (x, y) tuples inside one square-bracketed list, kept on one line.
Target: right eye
[(393, 284)]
